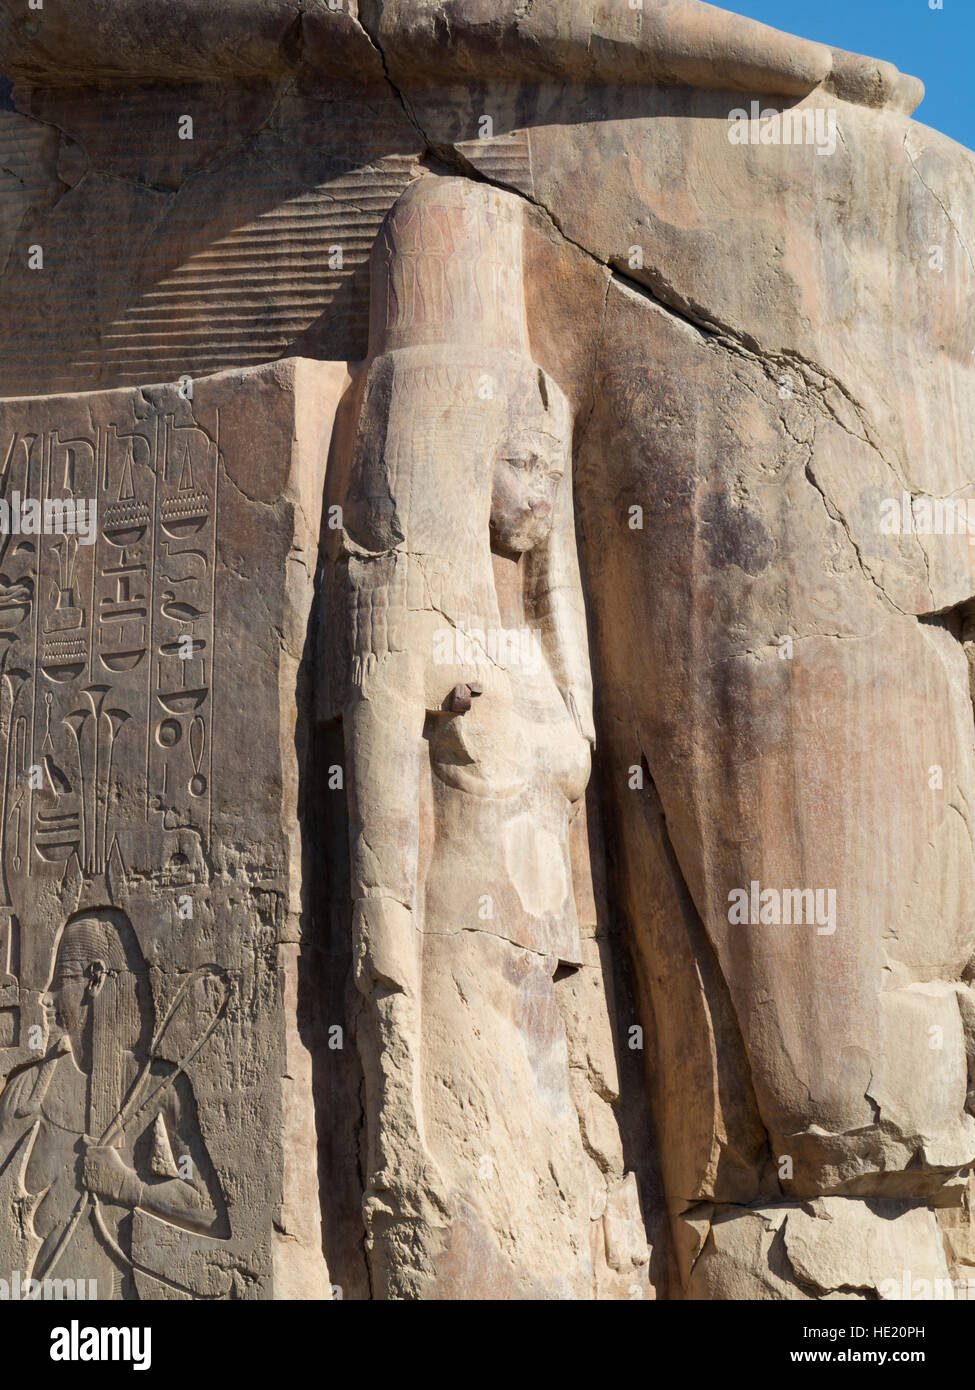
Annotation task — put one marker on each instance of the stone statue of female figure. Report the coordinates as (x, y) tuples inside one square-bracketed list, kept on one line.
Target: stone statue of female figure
[(467, 721)]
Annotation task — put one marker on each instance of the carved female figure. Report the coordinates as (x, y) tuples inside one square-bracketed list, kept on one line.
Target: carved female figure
[(467, 718)]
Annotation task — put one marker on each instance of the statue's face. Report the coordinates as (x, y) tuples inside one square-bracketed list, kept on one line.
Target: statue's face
[(66, 1002), (527, 473), (69, 997)]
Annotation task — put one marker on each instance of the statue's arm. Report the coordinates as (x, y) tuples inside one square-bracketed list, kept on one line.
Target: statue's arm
[(189, 1194), (384, 748)]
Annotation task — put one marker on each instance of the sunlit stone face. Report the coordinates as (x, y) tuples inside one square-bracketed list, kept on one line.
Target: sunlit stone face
[(527, 473)]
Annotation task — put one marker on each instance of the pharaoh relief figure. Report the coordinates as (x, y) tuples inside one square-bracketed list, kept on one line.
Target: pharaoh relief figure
[(99, 1127), (466, 704)]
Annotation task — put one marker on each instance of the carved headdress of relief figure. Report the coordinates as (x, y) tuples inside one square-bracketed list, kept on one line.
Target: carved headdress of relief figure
[(450, 380), (121, 1012)]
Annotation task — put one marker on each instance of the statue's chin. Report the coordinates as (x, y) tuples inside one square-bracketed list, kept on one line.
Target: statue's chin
[(518, 541)]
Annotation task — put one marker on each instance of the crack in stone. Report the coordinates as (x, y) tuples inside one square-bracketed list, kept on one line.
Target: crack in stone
[(712, 330), (951, 221), (372, 38), (836, 515)]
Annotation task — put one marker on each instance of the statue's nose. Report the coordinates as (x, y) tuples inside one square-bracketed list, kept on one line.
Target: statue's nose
[(540, 507)]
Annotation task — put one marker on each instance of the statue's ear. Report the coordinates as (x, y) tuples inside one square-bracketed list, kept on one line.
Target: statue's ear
[(97, 972)]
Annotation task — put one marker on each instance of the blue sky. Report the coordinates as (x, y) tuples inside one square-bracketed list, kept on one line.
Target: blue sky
[(936, 45)]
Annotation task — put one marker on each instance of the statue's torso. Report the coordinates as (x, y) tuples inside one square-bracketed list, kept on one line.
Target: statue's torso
[(505, 779)]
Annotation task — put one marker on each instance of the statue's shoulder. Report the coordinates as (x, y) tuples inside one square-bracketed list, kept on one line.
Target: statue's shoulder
[(19, 1089)]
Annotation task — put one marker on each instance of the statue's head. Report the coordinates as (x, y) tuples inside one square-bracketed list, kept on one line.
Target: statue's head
[(463, 442), (98, 985), (529, 465)]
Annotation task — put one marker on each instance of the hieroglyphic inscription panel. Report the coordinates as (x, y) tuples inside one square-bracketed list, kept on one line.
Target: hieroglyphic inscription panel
[(107, 651), (145, 608)]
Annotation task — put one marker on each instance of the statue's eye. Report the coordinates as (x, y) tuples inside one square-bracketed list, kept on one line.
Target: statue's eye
[(518, 462)]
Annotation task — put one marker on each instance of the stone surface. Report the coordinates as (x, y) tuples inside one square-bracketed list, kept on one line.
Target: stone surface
[(604, 426), (157, 1092)]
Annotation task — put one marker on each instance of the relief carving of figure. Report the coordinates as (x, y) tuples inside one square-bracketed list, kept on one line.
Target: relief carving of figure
[(99, 1127)]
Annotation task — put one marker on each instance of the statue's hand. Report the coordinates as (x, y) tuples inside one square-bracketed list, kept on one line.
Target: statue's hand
[(460, 698), (108, 1176)]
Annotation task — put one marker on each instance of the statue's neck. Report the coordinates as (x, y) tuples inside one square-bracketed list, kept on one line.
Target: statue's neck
[(509, 581)]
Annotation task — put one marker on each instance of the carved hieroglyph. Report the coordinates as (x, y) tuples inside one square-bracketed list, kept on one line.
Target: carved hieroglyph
[(466, 705), (146, 868)]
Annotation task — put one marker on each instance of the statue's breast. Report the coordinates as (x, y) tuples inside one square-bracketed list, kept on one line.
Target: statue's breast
[(503, 783), (483, 752), (497, 749)]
